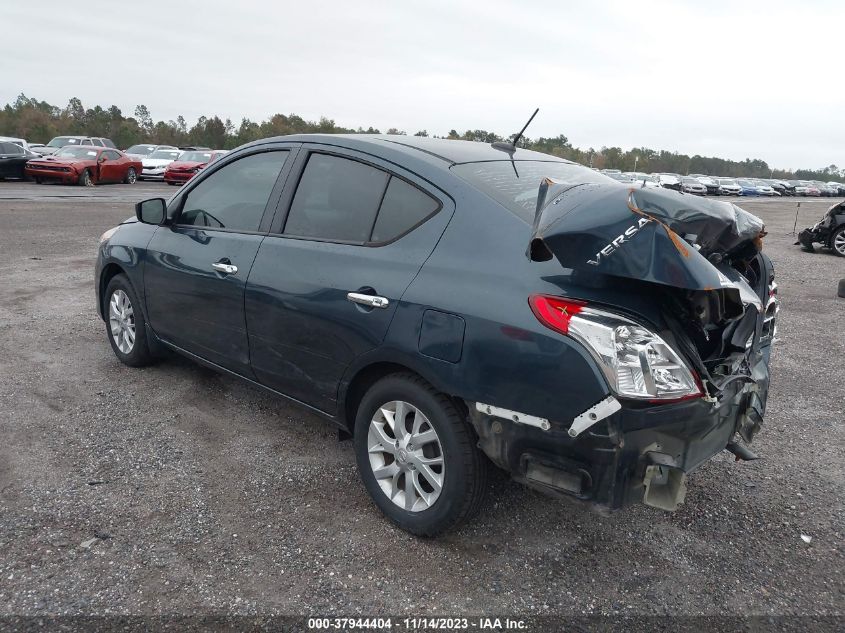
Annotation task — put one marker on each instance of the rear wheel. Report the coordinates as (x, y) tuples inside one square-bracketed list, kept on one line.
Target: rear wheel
[(417, 456), (125, 325), (131, 176), (837, 242), (85, 179)]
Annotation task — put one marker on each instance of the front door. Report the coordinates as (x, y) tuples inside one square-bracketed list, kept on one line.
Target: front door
[(327, 280), (197, 266)]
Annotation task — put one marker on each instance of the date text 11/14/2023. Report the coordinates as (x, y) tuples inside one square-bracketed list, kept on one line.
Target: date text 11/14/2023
[(418, 624)]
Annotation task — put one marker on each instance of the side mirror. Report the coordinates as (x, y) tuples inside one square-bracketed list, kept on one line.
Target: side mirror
[(152, 211)]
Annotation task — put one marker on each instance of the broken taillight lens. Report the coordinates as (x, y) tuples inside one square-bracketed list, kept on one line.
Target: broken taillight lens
[(637, 362)]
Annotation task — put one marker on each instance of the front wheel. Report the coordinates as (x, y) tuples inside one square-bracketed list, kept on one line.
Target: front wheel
[(131, 176), (417, 456), (837, 242), (85, 179), (125, 325)]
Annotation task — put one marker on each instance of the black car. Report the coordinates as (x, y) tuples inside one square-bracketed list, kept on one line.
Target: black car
[(452, 305), (13, 159), (829, 231)]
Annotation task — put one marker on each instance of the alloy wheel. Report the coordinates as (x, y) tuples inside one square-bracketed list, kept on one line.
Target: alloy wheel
[(406, 456), (131, 177), (839, 242), (122, 321)]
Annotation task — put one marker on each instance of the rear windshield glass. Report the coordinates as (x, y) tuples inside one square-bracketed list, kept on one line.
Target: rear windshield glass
[(516, 184)]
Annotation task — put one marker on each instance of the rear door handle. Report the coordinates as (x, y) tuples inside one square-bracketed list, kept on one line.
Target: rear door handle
[(226, 269), (368, 300)]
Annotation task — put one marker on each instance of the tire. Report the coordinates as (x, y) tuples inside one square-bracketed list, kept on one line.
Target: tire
[(463, 469), (127, 333), (38, 181), (131, 176), (837, 241), (85, 178)]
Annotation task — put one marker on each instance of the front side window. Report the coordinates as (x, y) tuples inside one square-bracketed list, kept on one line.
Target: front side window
[(235, 196), (86, 141), (337, 199), (10, 148)]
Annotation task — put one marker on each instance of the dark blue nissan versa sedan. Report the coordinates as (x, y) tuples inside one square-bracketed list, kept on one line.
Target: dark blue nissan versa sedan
[(452, 304)]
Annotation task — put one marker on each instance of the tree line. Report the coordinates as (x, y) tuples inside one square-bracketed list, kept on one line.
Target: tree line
[(40, 121)]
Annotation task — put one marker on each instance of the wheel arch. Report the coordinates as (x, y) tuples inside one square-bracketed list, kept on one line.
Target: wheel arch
[(367, 375), (109, 272)]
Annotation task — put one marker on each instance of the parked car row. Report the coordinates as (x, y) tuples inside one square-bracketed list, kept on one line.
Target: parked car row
[(701, 184), (88, 161)]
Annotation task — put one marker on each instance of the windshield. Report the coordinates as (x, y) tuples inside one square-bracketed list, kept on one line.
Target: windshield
[(141, 150), (195, 157), (77, 152), (61, 141), (726, 181), (690, 181), (166, 154), (516, 184)]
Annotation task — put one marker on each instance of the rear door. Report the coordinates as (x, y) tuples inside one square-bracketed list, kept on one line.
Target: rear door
[(350, 235), (197, 267)]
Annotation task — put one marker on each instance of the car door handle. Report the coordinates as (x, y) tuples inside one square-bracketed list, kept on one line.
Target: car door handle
[(368, 300), (226, 269)]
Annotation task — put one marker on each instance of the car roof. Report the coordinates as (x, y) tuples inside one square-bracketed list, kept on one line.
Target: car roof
[(447, 150)]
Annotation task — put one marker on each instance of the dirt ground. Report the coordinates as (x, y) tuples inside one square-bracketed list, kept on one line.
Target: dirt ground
[(174, 490)]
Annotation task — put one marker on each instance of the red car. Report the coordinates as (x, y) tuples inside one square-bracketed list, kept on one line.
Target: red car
[(85, 166), (188, 164)]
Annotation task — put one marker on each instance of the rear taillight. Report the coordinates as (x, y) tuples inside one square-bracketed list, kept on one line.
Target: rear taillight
[(637, 362), (554, 312)]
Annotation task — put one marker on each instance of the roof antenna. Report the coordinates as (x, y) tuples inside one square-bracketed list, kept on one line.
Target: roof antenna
[(510, 148)]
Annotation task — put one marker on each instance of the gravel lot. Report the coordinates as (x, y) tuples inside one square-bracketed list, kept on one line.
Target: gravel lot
[(174, 490)]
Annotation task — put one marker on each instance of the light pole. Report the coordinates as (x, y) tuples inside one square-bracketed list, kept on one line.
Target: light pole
[(636, 160)]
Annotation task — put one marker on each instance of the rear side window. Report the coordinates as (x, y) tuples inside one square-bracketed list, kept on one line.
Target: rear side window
[(111, 155), (344, 200), (108, 143), (404, 206), (235, 196), (337, 199)]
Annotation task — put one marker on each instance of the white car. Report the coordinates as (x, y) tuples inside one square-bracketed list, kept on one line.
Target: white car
[(710, 184), (764, 189), (670, 181), (143, 150), (692, 185), (729, 187), (643, 180), (153, 166)]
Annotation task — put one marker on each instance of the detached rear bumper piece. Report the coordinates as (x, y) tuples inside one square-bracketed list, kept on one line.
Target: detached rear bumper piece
[(641, 452)]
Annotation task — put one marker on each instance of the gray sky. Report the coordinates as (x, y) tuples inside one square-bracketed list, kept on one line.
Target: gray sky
[(730, 79)]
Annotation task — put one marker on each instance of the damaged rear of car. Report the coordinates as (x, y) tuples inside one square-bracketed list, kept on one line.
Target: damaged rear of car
[(829, 232), (673, 304)]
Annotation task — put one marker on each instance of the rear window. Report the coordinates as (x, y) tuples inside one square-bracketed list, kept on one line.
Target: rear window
[(515, 184)]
